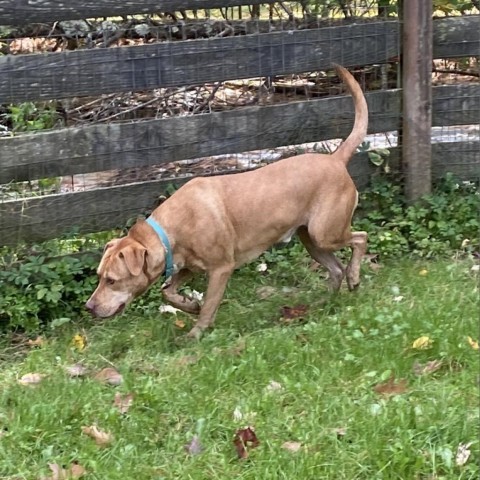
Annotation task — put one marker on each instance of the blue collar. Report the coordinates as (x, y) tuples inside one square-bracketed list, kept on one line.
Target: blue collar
[(168, 249)]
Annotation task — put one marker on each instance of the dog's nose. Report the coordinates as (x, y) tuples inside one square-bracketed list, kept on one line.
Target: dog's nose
[(90, 306)]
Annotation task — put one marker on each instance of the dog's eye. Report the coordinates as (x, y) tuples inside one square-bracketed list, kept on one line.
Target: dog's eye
[(110, 281)]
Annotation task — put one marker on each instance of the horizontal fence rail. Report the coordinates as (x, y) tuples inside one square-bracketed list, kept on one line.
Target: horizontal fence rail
[(174, 64), (43, 218), (22, 12), (152, 142), (168, 64), (117, 146)]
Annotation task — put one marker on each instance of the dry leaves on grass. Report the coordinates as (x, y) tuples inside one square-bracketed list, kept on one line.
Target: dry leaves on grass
[(390, 387), (340, 432), (101, 438), (245, 439), (463, 454), (429, 367), (109, 376), (187, 360), (273, 386), (79, 342), (289, 314), (422, 343), (236, 350), (239, 416), (31, 379), (293, 447), (38, 342), (123, 402), (473, 343), (59, 473), (179, 323), (265, 292), (194, 447), (77, 370), (168, 309), (372, 261)]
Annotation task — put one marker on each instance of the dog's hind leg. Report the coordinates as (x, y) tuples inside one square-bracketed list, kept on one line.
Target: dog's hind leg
[(170, 292), (336, 271), (217, 282), (358, 244)]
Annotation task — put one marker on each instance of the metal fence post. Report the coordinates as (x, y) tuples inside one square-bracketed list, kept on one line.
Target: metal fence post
[(417, 97)]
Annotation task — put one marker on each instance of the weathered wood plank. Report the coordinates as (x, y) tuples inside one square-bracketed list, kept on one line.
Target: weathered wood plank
[(169, 64), (22, 12), (153, 142), (456, 105), (137, 68), (456, 37), (42, 218)]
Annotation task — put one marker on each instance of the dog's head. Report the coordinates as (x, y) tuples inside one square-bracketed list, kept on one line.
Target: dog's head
[(123, 276)]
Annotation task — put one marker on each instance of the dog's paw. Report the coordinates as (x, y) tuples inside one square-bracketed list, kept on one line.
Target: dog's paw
[(195, 333)]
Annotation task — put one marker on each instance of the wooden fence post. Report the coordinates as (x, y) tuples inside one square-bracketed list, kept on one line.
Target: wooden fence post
[(417, 97)]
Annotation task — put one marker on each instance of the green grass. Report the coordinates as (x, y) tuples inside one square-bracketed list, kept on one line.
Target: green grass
[(327, 365)]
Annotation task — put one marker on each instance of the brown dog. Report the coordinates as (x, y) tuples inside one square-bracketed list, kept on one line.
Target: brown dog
[(217, 224)]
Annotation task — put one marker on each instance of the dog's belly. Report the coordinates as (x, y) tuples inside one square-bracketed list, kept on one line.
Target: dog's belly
[(254, 249), (286, 237)]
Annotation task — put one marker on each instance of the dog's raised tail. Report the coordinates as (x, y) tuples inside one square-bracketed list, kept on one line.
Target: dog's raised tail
[(345, 151)]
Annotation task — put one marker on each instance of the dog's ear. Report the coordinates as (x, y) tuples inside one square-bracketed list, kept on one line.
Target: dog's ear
[(134, 258)]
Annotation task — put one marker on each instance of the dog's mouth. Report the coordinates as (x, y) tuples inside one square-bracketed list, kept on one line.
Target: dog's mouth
[(96, 314), (119, 310)]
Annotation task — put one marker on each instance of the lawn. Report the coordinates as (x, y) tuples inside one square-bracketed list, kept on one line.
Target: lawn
[(381, 383)]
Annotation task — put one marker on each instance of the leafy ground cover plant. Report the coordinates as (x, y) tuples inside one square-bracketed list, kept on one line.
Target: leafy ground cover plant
[(445, 221)]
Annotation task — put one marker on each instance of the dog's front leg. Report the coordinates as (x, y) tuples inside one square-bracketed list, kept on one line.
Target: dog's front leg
[(217, 282), (182, 302)]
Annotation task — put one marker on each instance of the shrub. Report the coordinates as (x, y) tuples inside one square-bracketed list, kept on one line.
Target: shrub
[(445, 221)]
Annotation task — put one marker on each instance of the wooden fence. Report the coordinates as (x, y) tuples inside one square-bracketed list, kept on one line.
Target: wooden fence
[(96, 148)]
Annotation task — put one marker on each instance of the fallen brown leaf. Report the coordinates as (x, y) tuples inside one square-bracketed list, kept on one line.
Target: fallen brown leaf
[(372, 261), (340, 432), (429, 367), (38, 342), (194, 447), (31, 379), (265, 292), (238, 349), (390, 387), (293, 447), (187, 360), (473, 343), (274, 386), (109, 375), (244, 439), (77, 370), (101, 438), (79, 342), (463, 454), (291, 313), (59, 473), (123, 402), (179, 323)]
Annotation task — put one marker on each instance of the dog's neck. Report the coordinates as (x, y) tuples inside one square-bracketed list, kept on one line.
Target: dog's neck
[(144, 233)]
